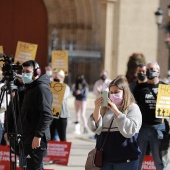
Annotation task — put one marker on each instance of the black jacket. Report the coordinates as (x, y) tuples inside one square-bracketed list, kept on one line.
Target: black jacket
[(147, 102), (36, 115)]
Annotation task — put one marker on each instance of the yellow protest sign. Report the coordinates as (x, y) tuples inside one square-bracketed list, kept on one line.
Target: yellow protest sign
[(163, 101), (60, 61), (25, 51), (58, 90), (1, 49)]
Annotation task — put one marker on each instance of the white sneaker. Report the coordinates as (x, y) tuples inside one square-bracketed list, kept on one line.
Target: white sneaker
[(77, 129)]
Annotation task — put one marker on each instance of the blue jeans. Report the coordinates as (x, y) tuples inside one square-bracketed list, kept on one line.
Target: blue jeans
[(1, 132), (133, 165), (149, 134)]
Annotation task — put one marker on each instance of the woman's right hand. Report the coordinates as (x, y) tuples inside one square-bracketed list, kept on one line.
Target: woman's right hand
[(98, 102)]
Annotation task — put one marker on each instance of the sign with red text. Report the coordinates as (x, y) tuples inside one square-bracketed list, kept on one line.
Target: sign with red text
[(58, 90), (25, 51), (5, 158), (58, 152), (163, 101), (148, 163), (60, 61)]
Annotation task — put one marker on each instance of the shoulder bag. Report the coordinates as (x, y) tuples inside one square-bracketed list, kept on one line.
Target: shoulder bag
[(95, 156)]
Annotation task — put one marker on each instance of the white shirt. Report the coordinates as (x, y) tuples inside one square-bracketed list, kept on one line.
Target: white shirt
[(101, 85)]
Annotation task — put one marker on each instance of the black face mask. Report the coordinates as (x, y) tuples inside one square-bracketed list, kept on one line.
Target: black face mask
[(57, 80), (103, 77), (141, 76), (151, 74)]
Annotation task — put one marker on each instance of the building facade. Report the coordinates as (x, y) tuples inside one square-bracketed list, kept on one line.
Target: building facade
[(99, 34)]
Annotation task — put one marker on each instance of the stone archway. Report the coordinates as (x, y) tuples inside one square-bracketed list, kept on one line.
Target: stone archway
[(77, 24)]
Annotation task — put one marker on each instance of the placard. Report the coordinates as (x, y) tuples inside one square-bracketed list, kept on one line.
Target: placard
[(25, 51), (58, 90), (58, 152), (60, 61), (163, 101), (148, 163), (5, 158), (1, 49)]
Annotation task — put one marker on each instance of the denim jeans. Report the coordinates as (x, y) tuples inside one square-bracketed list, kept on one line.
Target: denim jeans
[(133, 165), (149, 134), (1, 132)]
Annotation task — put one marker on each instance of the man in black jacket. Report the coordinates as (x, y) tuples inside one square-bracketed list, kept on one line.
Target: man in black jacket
[(152, 128), (36, 115)]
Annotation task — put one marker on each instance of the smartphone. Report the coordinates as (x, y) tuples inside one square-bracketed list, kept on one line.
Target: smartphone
[(105, 95)]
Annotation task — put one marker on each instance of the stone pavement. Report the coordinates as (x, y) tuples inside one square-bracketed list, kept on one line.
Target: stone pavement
[(81, 144)]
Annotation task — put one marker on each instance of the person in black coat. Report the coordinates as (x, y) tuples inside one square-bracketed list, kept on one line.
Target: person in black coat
[(36, 115)]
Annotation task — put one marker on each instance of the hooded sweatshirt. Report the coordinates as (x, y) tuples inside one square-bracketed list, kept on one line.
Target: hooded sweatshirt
[(36, 115)]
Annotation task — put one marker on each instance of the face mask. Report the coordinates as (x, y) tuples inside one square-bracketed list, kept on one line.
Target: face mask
[(151, 74), (49, 73), (103, 77), (141, 76), (116, 98), (27, 78)]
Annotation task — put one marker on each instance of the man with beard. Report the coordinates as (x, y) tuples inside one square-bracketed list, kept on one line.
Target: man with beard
[(153, 128)]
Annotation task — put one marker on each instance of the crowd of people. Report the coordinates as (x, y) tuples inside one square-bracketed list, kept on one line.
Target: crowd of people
[(130, 114)]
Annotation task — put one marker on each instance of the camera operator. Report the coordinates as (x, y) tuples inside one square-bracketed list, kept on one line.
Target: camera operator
[(36, 115)]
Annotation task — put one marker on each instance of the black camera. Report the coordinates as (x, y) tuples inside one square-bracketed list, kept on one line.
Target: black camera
[(9, 68)]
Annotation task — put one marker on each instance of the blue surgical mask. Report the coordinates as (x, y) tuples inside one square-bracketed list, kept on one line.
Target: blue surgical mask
[(27, 78)]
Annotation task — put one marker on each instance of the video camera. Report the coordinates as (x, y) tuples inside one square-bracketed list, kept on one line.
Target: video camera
[(9, 68)]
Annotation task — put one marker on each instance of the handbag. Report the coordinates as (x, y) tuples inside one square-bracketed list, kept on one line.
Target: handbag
[(95, 156)]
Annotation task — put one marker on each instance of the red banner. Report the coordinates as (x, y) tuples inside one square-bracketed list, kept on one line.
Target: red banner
[(5, 158), (148, 163), (58, 152)]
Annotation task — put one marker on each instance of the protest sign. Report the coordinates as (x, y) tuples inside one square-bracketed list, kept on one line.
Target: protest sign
[(60, 61), (163, 101), (58, 90), (1, 51), (148, 163), (58, 152), (25, 51), (5, 158)]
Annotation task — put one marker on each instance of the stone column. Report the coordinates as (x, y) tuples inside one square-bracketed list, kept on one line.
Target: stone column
[(109, 52)]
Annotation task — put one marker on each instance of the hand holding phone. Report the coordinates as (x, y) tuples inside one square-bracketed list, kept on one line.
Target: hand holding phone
[(105, 95)]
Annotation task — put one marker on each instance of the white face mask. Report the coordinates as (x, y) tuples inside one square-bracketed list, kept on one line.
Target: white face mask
[(27, 78), (49, 73)]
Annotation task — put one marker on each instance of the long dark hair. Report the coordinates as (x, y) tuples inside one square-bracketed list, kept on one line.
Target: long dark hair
[(80, 80)]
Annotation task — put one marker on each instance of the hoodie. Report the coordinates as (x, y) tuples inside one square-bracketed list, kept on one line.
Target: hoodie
[(36, 115)]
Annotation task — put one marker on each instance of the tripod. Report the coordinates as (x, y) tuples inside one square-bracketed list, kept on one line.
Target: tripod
[(13, 123)]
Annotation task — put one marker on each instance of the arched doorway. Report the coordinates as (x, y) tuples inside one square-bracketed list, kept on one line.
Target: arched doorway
[(24, 21)]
